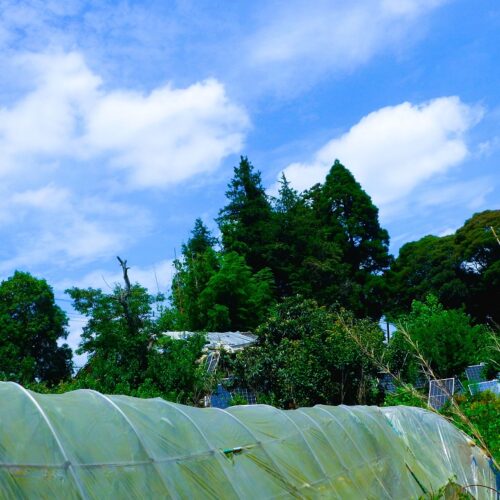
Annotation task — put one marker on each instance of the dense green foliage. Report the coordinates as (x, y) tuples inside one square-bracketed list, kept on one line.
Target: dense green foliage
[(305, 356), (245, 222), (348, 219), (445, 338), (482, 411), (407, 396), (127, 353), (30, 326), (325, 244), (461, 270), (217, 291)]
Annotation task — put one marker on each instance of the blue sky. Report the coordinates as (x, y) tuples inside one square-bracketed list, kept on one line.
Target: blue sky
[(120, 122)]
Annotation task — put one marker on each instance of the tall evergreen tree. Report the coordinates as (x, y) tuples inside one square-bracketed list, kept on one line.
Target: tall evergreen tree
[(304, 261), (198, 263), (349, 220), (288, 247), (348, 211), (235, 298), (246, 221)]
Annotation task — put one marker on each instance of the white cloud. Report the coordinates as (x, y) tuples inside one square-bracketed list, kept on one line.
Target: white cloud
[(49, 197), (169, 135), (395, 149), (159, 138), (470, 194), (54, 225), (301, 39), (98, 143), (43, 124)]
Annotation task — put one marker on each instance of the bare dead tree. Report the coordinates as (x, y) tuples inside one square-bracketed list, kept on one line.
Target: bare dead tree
[(124, 297)]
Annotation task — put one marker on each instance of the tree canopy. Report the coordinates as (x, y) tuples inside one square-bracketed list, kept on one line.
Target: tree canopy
[(245, 222), (31, 325), (445, 338), (305, 356), (462, 269)]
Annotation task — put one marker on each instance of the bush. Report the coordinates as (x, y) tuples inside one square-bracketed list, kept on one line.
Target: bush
[(306, 355), (483, 411), (405, 396)]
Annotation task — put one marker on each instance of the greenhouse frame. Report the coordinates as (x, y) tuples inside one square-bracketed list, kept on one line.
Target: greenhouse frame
[(86, 445)]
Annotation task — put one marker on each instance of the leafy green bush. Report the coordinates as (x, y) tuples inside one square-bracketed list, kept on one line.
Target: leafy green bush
[(405, 396), (446, 339), (306, 355), (483, 411)]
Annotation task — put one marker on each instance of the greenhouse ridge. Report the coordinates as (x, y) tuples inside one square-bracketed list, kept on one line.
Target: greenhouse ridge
[(84, 444)]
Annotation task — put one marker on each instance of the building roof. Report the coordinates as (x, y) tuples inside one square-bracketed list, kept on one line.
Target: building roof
[(231, 341)]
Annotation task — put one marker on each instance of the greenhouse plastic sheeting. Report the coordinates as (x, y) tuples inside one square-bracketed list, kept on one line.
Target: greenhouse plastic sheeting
[(84, 444)]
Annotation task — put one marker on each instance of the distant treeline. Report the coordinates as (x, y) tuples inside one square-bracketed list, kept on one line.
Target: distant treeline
[(325, 244)]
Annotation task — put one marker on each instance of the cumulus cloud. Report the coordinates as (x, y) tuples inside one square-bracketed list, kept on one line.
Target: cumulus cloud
[(98, 143), (158, 138), (167, 136), (393, 150), (49, 198)]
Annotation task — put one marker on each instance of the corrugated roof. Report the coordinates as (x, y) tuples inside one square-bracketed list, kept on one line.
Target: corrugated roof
[(231, 341)]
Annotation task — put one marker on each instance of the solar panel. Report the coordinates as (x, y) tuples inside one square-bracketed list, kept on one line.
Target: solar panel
[(421, 382), (490, 385), (221, 397), (459, 388), (474, 373), (212, 361), (249, 395), (386, 382), (440, 391)]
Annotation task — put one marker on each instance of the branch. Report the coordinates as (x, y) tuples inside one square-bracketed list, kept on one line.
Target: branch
[(125, 269)]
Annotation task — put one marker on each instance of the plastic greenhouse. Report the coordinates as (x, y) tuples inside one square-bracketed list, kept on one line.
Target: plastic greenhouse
[(86, 445)]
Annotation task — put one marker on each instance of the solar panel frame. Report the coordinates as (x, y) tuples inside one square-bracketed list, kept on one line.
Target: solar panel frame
[(440, 391), (212, 361), (248, 394), (459, 387), (221, 397)]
